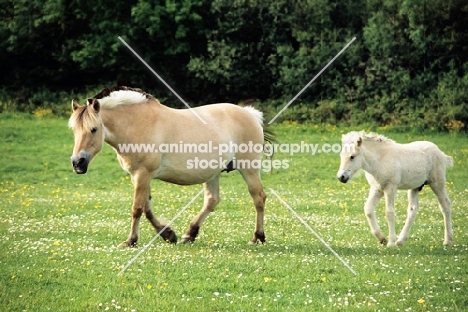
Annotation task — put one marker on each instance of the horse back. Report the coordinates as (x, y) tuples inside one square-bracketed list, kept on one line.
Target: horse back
[(421, 162), (239, 123)]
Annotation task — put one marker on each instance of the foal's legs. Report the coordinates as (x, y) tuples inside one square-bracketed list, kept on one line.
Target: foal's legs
[(254, 183), (445, 207), (211, 199), (413, 207), (390, 212), (141, 203), (369, 210)]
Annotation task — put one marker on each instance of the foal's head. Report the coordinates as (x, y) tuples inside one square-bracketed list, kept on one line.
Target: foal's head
[(89, 134), (351, 158)]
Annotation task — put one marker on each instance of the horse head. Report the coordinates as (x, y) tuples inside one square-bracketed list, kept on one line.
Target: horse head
[(351, 159), (88, 130)]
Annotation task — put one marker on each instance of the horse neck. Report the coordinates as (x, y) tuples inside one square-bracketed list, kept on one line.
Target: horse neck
[(120, 122), (372, 152)]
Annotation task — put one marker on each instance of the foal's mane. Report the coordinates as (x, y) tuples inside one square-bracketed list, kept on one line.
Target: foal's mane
[(371, 136), (108, 98)]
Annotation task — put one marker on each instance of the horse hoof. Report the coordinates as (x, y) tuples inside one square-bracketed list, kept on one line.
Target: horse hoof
[(447, 243), (384, 242), (169, 236), (258, 237), (187, 239), (257, 241), (128, 244)]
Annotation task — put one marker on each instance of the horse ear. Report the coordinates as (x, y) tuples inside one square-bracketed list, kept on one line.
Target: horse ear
[(75, 105), (94, 104), (359, 141)]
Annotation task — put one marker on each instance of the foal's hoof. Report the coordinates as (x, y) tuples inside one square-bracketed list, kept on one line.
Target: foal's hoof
[(384, 242)]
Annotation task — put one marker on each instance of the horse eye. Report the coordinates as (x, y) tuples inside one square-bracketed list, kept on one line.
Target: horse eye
[(352, 157), (93, 130)]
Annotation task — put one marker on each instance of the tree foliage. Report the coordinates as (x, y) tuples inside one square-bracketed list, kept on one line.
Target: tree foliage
[(407, 66)]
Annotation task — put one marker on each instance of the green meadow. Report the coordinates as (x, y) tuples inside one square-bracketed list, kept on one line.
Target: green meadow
[(60, 234)]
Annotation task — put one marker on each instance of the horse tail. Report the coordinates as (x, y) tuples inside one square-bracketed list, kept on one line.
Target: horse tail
[(256, 113), (448, 161), (269, 136)]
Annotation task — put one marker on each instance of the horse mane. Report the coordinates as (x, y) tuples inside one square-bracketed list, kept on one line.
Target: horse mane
[(371, 136), (107, 91), (121, 95), (108, 98)]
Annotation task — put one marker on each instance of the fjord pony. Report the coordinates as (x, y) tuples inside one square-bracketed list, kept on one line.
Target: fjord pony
[(122, 115), (390, 166)]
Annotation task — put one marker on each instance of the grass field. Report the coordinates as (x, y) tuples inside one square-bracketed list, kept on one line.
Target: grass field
[(60, 234)]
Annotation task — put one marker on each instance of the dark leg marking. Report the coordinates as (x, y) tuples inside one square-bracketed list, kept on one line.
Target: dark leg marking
[(258, 236), (132, 242), (193, 232), (169, 236), (194, 229)]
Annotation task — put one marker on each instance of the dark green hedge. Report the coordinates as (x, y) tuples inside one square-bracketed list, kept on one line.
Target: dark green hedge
[(408, 65)]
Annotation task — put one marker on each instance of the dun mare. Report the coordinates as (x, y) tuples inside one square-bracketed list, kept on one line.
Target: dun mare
[(123, 115), (390, 166)]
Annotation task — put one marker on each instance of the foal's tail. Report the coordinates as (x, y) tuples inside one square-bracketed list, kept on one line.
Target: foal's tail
[(448, 161)]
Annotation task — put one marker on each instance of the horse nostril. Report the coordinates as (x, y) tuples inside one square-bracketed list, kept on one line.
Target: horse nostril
[(343, 179), (81, 161)]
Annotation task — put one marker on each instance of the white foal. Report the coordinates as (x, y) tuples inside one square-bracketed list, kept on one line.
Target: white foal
[(390, 166)]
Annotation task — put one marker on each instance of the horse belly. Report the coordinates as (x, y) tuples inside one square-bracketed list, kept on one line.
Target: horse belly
[(412, 179), (189, 170), (186, 178)]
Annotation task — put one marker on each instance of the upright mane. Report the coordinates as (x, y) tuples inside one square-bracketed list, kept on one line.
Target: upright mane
[(371, 136), (121, 95), (108, 98)]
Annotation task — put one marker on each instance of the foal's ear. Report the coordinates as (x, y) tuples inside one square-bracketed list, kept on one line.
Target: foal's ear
[(359, 141), (94, 104), (75, 105)]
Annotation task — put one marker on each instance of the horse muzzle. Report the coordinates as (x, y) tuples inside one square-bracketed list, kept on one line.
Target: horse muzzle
[(343, 176), (80, 162)]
